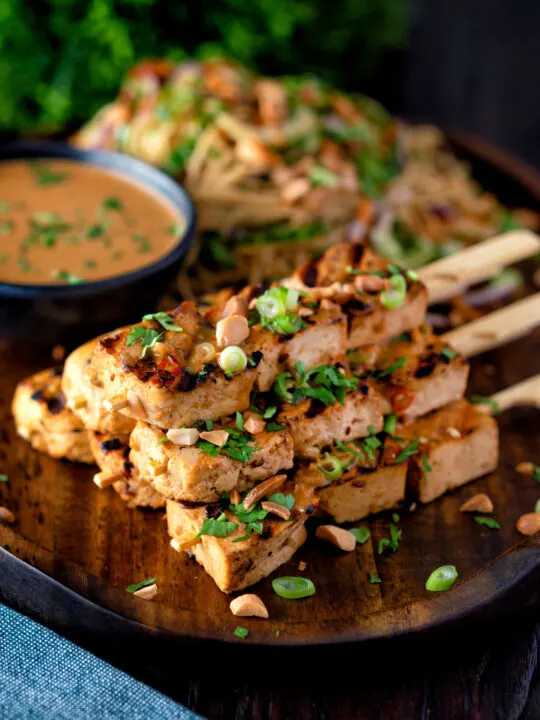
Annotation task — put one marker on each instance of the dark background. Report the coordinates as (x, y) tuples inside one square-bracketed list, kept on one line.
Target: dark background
[(465, 64)]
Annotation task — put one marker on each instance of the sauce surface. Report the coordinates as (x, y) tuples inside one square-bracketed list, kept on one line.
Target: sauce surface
[(62, 221)]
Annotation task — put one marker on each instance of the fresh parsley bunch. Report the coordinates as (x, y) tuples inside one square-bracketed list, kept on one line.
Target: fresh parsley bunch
[(325, 383)]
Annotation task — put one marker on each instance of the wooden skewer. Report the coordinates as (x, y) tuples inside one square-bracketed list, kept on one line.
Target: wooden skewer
[(451, 276), (104, 480), (525, 393), (497, 328)]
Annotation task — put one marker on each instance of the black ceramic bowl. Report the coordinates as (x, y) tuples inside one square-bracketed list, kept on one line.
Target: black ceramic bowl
[(69, 314)]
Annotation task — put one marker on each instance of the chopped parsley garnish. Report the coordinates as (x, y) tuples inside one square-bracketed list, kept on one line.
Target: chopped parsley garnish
[(147, 338), (321, 176), (95, 231), (112, 203), (370, 444), (3, 478), (325, 383), (286, 500), (3, 258), (353, 271), (239, 420), (399, 363), (164, 440), (237, 446), (408, 452), (90, 264), (142, 242), (536, 473), (241, 632), (67, 277), (164, 319), (425, 463), (175, 229), (448, 353), (362, 534), (44, 176), (274, 427), (373, 579), (252, 518), (220, 527), (269, 412), (390, 422), (139, 585), (24, 265), (6, 227), (488, 522), (481, 400), (391, 542)]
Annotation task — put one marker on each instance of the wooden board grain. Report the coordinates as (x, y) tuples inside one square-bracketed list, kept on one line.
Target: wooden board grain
[(90, 543)]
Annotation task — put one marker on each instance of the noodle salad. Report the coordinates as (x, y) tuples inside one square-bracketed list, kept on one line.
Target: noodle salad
[(282, 168)]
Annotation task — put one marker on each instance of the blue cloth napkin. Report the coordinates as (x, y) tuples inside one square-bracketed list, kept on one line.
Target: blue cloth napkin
[(45, 676)]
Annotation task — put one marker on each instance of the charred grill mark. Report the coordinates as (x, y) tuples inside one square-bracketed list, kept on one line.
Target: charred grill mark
[(363, 389), (109, 343), (56, 371), (38, 395), (128, 465), (426, 365), (358, 251), (309, 273), (255, 358), (55, 405), (316, 407), (110, 445)]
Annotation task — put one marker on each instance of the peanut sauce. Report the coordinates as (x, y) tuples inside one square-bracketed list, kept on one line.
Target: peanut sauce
[(65, 222)]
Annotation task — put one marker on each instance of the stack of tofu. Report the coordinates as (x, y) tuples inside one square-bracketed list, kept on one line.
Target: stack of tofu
[(246, 413)]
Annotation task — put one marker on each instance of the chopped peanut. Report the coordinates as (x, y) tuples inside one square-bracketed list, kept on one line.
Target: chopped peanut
[(294, 190), (6, 516), (216, 437), (248, 605), (342, 539), (232, 330), (254, 152), (369, 283), (136, 406), (116, 403), (104, 480), (58, 353), (263, 489), (147, 593), (183, 436), (276, 509), (525, 468), (305, 311), (453, 432), (478, 503), (254, 424), (235, 305), (529, 524), (77, 402), (302, 566), (235, 497)]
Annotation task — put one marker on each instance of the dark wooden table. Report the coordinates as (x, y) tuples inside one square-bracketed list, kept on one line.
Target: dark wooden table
[(490, 672)]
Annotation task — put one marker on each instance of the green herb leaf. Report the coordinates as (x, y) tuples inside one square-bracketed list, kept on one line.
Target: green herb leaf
[(44, 176), (220, 527), (67, 277), (274, 427), (139, 585), (399, 363), (390, 422), (320, 175), (362, 534), (147, 338), (3, 478), (536, 473), (112, 203), (239, 420), (448, 353), (165, 320), (481, 400), (488, 522), (408, 452), (269, 412), (281, 499), (241, 632), (373, 579)]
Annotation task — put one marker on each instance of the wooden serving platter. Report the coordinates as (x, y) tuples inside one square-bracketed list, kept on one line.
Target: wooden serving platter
[(73, 548)]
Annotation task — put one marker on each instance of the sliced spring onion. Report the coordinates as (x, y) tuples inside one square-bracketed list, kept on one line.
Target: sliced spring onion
[(207, 352), (268, 307), (232, 360), (241, 632), (362, 534), (331, 467), (293, 588), (390, 422), (442, 578), (395, 296)]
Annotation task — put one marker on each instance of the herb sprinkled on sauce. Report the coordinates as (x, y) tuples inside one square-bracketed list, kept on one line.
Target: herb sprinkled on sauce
[(62, 221)]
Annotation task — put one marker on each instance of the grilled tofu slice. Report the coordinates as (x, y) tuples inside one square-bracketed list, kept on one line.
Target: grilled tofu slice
[(86, 399), (173, 385), (234, 564), (460, 443), (313, 424), (415, 372), (367, 485), (322, 342), (43, 418), (112, 455), (188, 474), (358, 279)]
